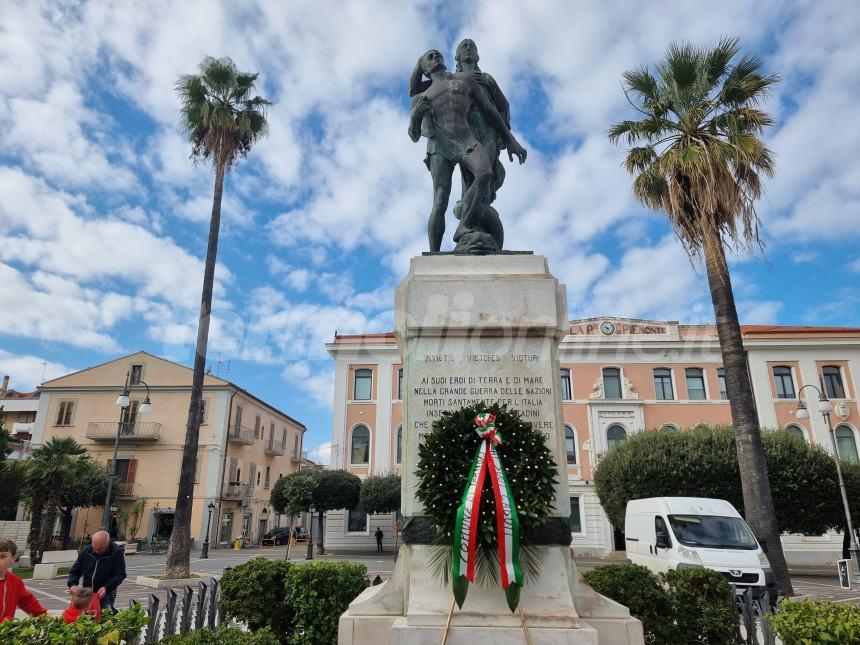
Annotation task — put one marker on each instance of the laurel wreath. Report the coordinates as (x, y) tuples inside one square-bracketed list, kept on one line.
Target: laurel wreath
[(444, 461)]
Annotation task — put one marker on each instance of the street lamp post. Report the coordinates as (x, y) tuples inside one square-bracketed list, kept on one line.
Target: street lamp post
[(310, 555), (123, 401), (825, 407), (204, 552)]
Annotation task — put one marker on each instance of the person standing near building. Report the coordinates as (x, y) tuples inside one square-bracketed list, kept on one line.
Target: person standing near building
[(378, 540), (100, 566)]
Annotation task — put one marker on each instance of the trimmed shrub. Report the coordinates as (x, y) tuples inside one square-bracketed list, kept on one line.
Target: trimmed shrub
[(253, 593), (703, 608), (635, 587), (224, 635), (114, 628), (811, 622), (318, 593)]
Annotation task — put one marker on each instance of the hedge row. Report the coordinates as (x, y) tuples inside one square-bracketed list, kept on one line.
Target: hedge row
[(300, 603)]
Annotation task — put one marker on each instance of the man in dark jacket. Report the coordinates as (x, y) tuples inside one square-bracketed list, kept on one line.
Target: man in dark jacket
[(101, 566)]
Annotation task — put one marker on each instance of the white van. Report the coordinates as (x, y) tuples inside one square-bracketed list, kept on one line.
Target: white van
[(664, 533)]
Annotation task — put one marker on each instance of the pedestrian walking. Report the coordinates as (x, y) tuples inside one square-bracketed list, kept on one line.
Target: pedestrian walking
[(100, 566), (378, 540)]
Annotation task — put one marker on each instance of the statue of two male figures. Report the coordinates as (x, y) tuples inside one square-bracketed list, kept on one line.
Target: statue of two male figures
[(466, 120)]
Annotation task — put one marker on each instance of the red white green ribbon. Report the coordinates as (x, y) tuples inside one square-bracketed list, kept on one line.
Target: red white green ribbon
[(487, 464)]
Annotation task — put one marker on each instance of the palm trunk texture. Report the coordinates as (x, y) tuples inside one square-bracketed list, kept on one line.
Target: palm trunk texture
[(179, 552), (34, 537), (758, 502)]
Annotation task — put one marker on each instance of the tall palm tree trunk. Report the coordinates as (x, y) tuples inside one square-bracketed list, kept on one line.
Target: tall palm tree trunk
[(51, 509), (755, 484), (34, 537), (320, 541), (179, 553)]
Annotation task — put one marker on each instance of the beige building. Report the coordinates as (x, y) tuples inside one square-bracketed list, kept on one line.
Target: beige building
[(245, 444), (617, 376)]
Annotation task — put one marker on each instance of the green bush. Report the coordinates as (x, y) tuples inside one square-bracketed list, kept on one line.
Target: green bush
[(224, 635), (253, 593), (318, 593), (702, 606), (811, 622), (113, 628), (635, 587)]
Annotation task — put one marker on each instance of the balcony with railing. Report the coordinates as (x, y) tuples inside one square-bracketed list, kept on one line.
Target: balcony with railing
[(124, 490), (21, 427), (276, 448), (20, 449), (128, 430), (234, 490), (298, 455), (241, 434)]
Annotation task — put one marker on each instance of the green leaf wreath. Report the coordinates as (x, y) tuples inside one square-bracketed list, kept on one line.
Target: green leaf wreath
[(444, 462)]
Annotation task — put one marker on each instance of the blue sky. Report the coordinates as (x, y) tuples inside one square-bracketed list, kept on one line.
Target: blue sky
[(104, 218)]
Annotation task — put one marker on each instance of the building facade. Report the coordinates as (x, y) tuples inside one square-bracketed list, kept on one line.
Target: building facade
[(19, 416), (617, 376), (245, 445)]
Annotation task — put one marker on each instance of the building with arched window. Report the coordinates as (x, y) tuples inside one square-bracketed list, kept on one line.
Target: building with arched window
[(617, 376)]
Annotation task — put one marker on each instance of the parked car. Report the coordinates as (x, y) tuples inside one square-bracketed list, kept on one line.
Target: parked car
[(301, 534), (664, 533), (276, 536)]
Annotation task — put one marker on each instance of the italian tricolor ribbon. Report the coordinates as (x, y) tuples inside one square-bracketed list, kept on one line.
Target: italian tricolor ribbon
[(487, 464)]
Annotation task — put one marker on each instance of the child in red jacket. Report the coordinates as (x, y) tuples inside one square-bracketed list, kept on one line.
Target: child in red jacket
[(13, 593), (84, 601)]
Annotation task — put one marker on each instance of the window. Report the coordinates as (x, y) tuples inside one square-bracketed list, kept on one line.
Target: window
[(252, 469), (296, 454), (65, 413), (136, 374), (566, 391), (668, 427), (258, 477), (833, 382), (398, 456), (663, 384), (784, 382), (238, 418), (615, 435), (796, 431), (611, 383), (695, 384), (362, 389), (356, 520), (26, 417), (400, 383), (721, 379), (575, 516), (226, 532), (257, 424), (570, 443), (359, 453), (660, 528), (845, 444)]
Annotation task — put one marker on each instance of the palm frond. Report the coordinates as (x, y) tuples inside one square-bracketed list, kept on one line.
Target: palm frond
[(641, 82), (717, 60)]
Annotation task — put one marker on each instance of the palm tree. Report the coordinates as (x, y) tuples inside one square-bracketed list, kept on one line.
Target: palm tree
[(47, 472), (222, 121), (697, 156)]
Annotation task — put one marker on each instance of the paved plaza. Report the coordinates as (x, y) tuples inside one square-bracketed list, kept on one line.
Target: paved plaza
[(816, 583)]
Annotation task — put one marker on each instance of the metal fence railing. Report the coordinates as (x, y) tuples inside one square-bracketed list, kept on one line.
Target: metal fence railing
[(754, 612), (182, 612)]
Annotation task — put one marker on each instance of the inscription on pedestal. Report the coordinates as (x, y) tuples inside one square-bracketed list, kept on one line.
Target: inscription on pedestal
[(445, 381)]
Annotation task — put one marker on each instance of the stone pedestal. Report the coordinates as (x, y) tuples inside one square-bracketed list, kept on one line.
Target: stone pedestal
[(469, 329)]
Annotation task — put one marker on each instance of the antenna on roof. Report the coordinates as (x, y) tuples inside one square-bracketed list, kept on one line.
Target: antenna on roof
[(218, 363)]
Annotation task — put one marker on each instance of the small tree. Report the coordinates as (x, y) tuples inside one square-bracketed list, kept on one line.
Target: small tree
[(85, 488), (702, 463), (294, 493), (381, 493), (336, 489)]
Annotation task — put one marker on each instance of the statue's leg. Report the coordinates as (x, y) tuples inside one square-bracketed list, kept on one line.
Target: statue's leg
[(440, 170), (477, 163)]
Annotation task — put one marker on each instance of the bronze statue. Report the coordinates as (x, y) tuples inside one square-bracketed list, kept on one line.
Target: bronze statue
[(465, 118)]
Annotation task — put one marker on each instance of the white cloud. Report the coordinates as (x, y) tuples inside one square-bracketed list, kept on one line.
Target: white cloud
[(322, 453), (758, 312), (854, 265), (804, 257), (320, 385), (27, 371)]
